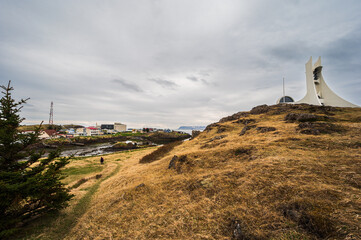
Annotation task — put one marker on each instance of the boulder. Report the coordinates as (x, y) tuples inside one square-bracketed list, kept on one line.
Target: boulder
[(301, 117), (237, 232), (245, 121), (177, 163), (317, 128), (221, 129), (246, 128), (140, 186), (195, 133), (172, 162), (260, 109), (217, 138), (305, 117), (211, 126), (234, 117), (265, 129)]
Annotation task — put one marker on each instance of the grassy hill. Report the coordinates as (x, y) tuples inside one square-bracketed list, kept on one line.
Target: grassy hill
[(276, 172), (34, 127), (47, 126)]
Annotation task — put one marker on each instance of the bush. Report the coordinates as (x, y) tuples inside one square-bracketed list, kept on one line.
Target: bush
[(79, 182), (242, 151), (315, 217), (29, 186), (159, 153)]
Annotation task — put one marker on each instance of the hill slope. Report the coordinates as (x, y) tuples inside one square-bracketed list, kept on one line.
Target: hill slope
[(278, 172)]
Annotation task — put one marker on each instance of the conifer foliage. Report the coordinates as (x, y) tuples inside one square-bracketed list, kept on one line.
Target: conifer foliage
[(29, 186)]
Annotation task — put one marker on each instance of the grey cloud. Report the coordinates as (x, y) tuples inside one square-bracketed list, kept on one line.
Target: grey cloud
[(127, 85), (164, 83), (205, 81), (192, 78), (293, 51), (205, 73), (347, 48), (202, 80)]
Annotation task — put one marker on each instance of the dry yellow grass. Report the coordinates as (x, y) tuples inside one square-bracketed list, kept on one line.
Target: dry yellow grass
[(272, 185)]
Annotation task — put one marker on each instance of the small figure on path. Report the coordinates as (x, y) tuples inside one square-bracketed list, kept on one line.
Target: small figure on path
[(101, 160)]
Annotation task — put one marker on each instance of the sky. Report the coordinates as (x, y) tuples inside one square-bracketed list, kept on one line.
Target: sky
[(168, 63)]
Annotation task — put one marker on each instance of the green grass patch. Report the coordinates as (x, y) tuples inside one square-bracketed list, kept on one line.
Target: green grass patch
[(130, 134), (80, 182), (64, 222), (75, 173), (82, 170)]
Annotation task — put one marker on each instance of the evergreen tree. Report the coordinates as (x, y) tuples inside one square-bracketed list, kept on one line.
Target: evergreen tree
[(29, 186)]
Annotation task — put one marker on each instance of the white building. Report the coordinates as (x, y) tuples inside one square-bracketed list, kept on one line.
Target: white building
[(93, 131), (318, 93), (119, 127)]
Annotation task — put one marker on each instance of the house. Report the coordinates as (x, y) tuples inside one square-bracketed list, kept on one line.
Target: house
[(47, 134), (70, 131), (93, 131), (80, 132)]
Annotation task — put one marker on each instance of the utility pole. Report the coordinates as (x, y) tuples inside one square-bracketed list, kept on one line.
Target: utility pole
[(51, 115)]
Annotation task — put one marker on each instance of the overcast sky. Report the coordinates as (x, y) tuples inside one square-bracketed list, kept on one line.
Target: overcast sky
[(165, 63)]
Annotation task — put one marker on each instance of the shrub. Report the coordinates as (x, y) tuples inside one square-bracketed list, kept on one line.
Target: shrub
[(317, 128), (80, 182), (242, 151), (314, 217), (159, 153)]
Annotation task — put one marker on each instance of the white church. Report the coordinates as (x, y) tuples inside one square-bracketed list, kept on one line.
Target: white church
[(318, 93)]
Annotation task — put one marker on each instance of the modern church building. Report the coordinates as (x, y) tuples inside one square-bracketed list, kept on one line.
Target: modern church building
[(318, 93)]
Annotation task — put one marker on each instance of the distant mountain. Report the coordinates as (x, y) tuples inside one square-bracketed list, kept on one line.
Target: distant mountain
[(200, 128)]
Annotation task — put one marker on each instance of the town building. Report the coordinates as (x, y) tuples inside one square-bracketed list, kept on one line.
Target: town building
[(113, 128), (93, 131), (47, 134), (107, 126), (80, 132), (119, 127)]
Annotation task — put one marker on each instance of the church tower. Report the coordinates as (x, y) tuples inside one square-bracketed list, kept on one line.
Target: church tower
[(318, 93)]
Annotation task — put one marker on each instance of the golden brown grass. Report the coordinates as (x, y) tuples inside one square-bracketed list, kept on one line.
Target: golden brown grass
[(275, 185)]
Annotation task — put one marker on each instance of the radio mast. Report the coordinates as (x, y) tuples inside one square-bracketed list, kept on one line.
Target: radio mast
[(51, 115), (284, 93)]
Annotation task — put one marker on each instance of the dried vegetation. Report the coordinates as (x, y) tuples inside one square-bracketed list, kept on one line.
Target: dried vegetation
[(258, 185)]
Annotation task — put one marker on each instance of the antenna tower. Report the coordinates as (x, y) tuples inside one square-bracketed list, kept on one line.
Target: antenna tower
[(51, 115), (284, 93)]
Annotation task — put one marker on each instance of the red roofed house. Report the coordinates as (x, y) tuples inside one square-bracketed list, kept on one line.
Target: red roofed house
[(93, 131)]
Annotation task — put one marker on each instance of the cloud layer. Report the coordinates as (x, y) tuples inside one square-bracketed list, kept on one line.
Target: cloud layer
[(169, 63)]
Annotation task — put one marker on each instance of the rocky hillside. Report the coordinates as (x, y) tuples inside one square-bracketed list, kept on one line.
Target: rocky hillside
[(275, 172)]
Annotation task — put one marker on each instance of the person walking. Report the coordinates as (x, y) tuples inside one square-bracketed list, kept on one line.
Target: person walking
[(101, 160)]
